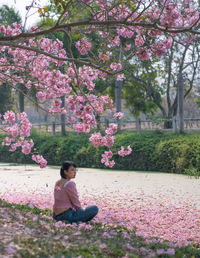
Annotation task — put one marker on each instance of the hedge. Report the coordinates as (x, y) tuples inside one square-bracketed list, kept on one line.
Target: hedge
[(152, 151)]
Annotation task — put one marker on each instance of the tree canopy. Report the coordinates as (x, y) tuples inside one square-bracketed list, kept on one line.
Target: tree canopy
[(141, 29)]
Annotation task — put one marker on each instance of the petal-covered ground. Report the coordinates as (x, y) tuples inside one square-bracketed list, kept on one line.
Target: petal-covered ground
[(165, 206)]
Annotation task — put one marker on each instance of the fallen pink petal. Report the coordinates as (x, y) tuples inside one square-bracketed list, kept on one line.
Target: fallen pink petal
[(163, 213)]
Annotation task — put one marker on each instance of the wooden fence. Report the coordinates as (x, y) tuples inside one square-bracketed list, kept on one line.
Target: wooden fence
[(134, 125)]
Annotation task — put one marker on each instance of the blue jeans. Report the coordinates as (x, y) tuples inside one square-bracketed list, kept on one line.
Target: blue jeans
[(79, 215)]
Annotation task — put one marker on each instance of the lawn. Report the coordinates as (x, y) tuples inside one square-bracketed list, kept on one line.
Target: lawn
[(31, 232)]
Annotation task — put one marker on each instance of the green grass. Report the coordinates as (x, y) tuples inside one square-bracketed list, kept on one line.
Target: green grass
[(41, 237)]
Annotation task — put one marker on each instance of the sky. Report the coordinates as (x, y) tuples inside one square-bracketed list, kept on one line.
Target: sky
[(19, 5)]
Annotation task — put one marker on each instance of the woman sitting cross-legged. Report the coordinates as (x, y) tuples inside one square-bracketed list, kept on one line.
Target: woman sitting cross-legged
[(67, 206)]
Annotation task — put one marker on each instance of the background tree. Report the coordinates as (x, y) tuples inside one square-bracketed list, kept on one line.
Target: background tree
[(156, 79), (7, 16), (141, 88), (181, 58)]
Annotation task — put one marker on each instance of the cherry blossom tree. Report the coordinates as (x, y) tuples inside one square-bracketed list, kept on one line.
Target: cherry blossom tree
[(28, 57)]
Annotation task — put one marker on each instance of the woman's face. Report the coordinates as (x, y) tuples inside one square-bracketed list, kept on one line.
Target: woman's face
[(71, 172)]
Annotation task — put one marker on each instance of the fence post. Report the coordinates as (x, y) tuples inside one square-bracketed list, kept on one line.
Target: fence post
[(53, 128), (138, 125), (47, 127)]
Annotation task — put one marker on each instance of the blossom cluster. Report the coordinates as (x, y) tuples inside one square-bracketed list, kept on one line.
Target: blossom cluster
[(124, 152), (104, 56), (108, 140), (18, 133), (106, 156), (83, 46), (40, 160), (116, 66)]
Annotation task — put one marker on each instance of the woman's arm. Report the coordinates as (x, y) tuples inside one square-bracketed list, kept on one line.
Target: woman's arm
[(73, 195)]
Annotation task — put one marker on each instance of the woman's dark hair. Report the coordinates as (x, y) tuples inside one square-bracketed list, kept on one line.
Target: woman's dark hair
[(65, 166)]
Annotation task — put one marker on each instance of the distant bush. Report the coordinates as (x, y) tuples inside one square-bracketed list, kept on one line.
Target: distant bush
[(179, 154), (152, 151)]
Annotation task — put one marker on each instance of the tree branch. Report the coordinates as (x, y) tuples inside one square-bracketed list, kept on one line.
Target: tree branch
[(58, 58), (169, 75), (69, 26)]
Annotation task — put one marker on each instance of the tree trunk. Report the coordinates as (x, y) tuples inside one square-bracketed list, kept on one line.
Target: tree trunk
[(138, 125), (53, 128), (63, 130), (21, 98), (118, 99), (180, 87), (118, 92), (174, 123), (118, 95), (46, 121), (168, 123)]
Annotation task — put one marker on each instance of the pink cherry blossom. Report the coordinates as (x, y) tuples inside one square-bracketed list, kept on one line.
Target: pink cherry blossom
[(124, 152), (120, 77), (26, 147), (40, 160), (128, 47), (160, 251), (143, 53), (139, 41), (106, 158), (104, 56), (125, 32), (96, 139), (118, 115), (14, 130), (102, 246), (10, 250), (167, 43), (83, 46), (111, 129), (115, 41), (9, 117), (170, 251), (108, 140), (116, 66)]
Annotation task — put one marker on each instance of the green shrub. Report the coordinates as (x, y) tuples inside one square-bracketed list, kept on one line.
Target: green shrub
[(176, 155), (48, 148), (152, 151), (69, 146), (191, 171)]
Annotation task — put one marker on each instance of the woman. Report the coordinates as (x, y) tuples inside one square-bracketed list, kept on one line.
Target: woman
[(67, 206)]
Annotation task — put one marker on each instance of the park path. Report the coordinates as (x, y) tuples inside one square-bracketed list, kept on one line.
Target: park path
[(28, 179), (162, 205)]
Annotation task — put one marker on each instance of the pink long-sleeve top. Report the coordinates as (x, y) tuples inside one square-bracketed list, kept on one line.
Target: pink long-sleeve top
[(66, 197)]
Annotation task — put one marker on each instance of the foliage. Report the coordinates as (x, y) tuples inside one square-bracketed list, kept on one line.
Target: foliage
[(6, 100), (192, 171), (141, 88), (150, 151), (181, 153), (9, 15)]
